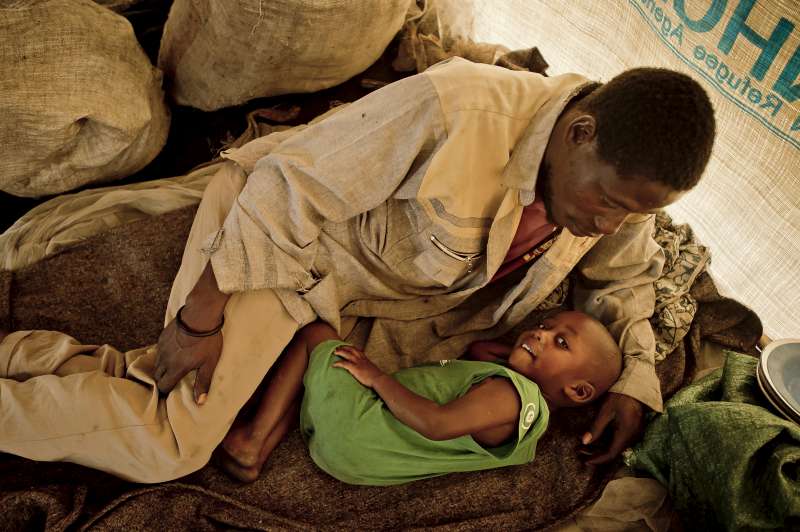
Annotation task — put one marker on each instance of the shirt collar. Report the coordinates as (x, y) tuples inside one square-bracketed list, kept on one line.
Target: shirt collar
[(523, 167)]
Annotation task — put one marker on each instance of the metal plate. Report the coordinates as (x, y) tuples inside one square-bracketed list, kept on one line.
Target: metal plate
[(780, 406), (779, 376)]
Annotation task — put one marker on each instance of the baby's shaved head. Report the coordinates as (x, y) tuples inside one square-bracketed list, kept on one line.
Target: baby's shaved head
[(606, 366)]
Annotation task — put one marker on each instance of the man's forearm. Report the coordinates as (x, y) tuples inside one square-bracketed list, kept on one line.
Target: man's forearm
[(616, 286), (205, 303)]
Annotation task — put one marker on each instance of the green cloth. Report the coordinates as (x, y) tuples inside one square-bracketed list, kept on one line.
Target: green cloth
[(353, 436), (729, 460)]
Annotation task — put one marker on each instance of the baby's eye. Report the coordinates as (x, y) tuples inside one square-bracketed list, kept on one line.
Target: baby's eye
[(561, 342)]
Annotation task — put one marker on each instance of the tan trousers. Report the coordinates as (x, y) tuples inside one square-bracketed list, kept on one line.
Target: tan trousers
[(92, 405)]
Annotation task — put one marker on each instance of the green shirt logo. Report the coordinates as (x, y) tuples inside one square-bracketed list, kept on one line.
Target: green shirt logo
[(528, 415)]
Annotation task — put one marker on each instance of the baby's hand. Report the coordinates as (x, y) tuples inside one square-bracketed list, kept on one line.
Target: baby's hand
[(357, 363)]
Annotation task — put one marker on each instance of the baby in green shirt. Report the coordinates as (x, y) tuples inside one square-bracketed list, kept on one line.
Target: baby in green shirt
[(366, 427)]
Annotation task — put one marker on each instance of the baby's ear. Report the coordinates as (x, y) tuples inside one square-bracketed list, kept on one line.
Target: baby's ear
[(580, 392)]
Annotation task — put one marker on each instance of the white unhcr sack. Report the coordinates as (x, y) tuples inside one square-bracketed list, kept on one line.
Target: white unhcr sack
[(80, 102), (218, 53), (746, 54)]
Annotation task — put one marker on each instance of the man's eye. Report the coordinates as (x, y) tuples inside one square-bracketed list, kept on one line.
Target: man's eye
[(612, 205), (562, 343), (541, 326)]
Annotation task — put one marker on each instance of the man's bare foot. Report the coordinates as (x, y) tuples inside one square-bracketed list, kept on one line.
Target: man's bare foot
[(246, 447), (241, 452), (235, 469), (242, 445)]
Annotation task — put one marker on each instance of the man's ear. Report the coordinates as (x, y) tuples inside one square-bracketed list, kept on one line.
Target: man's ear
[(580, 392), (582, 129)]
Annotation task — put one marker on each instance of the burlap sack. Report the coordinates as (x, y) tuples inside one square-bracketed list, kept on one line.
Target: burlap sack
[(746, 53), (79, 101), (218, 53)]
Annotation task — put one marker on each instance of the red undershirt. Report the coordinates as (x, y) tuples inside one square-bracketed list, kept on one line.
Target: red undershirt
[(533, 230)]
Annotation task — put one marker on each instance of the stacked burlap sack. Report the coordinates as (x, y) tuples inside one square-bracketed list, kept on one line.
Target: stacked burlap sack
[(80, 102), (219, 53)]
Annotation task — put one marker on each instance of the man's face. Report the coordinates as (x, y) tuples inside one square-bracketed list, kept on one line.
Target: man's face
[(586, 195)]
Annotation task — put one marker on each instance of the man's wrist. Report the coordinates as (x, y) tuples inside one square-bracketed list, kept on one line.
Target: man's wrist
[(200, 317), (205, 304), (212, 302), (633, 400), (189, 331)]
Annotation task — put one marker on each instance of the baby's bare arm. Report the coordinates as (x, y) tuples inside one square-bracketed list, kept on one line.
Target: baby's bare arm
[(492, 403)]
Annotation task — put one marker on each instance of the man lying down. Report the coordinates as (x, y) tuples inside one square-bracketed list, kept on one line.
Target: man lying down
[(400, 206)]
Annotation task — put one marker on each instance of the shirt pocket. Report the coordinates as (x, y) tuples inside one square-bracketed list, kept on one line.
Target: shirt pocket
[(444, 263), (415, 250)]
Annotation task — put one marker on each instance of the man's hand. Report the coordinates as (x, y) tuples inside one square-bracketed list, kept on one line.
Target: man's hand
[(178, 354), (626, 417)]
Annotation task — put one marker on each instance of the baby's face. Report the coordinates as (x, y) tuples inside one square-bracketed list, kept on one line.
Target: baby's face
[(555, 353)]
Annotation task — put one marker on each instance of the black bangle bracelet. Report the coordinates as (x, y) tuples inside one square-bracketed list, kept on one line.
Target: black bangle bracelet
[(185, 329)]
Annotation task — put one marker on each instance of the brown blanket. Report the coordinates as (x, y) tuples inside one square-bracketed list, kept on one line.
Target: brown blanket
[(113, 289)]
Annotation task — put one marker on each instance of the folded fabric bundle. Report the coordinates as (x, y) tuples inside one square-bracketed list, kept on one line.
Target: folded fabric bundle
[(69, 219), (729, 460)]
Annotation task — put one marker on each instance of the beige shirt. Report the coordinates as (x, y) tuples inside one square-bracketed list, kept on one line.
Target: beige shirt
[(403, 204)]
